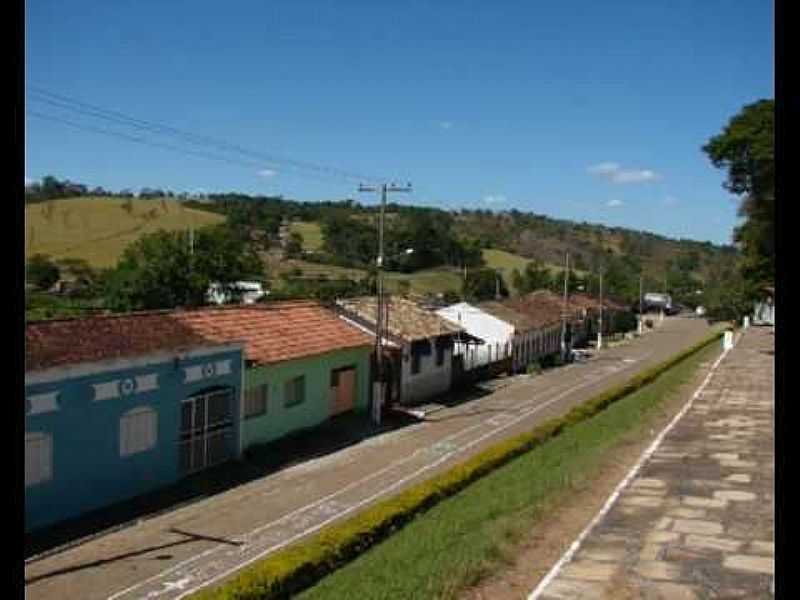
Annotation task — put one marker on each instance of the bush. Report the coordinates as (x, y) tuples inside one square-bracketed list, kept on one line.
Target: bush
[(42, 272), (301, 565)]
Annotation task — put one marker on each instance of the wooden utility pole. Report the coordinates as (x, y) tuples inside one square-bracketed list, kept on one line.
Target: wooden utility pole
[(380, 324), (600, 319), (564, 313)]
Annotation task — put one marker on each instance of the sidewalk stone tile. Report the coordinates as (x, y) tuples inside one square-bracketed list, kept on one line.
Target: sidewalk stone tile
[(590, 570), (713, 543), (704, 502), (688, 513), (675, 591), (754, 564), (739, 478), (735, 495), (658, 569), (697, 526), (758, 547)]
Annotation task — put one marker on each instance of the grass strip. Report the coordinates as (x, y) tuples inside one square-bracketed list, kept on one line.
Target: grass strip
[(452, 543)]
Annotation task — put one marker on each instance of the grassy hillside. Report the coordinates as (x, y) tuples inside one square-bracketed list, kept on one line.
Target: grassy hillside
[(311, 232), (98, 229)]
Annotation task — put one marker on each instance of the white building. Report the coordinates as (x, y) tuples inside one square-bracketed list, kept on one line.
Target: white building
[(250, 292), (497, 334), (418, 346)]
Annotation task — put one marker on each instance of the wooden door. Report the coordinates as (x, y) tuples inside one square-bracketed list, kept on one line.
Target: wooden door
[(345, 395)]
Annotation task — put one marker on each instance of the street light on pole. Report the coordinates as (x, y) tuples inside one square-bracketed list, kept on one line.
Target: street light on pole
[(380, 324)]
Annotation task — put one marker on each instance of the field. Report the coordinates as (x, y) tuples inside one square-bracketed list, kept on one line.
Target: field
[(98, 229), (311, 232)]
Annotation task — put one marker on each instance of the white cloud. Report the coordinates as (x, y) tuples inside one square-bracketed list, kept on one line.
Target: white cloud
[(29, 181), (267, 172), (494, 199), (670, 201), (614, 203), (604, 168), (446, 124), (616, 174)]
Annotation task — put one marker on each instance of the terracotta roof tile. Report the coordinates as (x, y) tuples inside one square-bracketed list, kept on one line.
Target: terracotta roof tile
[(71, 341), (277, 331), (272, 332)]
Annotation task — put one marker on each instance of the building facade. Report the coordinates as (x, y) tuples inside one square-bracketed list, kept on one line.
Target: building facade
[(102, 431)]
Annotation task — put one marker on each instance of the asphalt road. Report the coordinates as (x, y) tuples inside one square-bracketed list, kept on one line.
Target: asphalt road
[(176, 553)]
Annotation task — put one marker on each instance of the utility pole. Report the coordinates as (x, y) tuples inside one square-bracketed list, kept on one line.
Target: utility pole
[(380, 324), (640, 303), (564, 309), (600, 320)]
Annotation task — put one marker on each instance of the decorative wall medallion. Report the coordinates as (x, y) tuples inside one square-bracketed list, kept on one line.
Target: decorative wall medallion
[(207, 371), (127, 387)]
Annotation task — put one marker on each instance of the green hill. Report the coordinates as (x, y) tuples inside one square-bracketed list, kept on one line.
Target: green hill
[(97, 229)]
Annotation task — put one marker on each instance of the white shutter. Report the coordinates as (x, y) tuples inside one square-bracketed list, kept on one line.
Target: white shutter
[(38, 458), (138, 431)]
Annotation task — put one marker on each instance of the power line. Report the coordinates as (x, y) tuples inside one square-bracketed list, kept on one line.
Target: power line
[(40, 94), (147, 142)]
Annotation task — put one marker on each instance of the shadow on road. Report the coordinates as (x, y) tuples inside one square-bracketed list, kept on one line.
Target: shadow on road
[(258, 462), (190, 538)]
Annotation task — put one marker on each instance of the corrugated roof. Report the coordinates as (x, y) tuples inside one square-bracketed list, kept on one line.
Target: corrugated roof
[(277, 331), (271, 333), (407, 320), (71, 341)]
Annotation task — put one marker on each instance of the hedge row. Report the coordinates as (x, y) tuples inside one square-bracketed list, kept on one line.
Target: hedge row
[(299, 566)]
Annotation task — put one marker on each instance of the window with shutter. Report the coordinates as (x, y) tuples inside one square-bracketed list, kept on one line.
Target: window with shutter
[(138, 431), (38, 458), (294, 391), (255, 401)]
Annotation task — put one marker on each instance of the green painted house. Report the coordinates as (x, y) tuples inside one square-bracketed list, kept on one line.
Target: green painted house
[(303, 364)]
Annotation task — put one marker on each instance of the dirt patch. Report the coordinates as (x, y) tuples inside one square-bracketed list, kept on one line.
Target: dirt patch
[(547, 541)]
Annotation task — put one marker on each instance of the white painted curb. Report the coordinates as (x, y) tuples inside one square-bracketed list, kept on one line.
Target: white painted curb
[(567, 556)]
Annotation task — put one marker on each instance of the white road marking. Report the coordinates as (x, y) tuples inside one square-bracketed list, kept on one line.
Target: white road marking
[(567, 556)]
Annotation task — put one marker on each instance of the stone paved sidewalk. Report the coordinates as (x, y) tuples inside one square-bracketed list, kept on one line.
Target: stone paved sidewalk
[(698, 520)]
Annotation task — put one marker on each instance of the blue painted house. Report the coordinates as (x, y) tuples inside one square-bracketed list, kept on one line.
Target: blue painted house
[(118, 406)]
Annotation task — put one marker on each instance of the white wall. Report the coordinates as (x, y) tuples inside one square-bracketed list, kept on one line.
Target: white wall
[(431, 380)]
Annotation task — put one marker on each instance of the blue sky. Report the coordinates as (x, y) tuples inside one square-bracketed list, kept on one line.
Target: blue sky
[(579, 110)]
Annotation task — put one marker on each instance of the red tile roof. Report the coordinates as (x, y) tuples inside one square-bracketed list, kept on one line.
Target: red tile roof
[(272, 332), (71, 341), (276, 331)]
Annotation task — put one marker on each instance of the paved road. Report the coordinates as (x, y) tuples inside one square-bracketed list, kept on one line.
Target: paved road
[(174, 554), (698, 520)]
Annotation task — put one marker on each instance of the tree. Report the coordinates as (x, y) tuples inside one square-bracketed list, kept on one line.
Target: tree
[(294, 245), (745, 149), (483, 284), (159, 271), (42, 272)]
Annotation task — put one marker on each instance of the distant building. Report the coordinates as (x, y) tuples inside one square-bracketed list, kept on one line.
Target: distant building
[(246, 292)]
